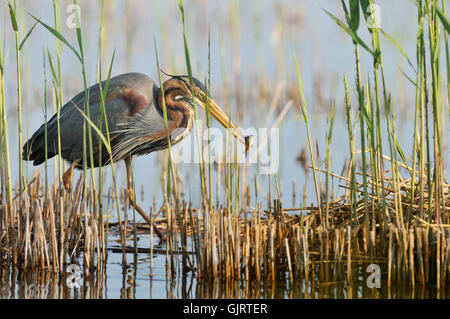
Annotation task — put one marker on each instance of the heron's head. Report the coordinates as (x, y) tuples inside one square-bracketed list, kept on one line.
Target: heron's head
[(202, 97)]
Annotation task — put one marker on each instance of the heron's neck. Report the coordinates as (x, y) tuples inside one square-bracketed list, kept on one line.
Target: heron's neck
[(177, 106)]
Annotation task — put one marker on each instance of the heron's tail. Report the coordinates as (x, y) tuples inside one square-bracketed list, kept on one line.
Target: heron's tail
[(34, 149)]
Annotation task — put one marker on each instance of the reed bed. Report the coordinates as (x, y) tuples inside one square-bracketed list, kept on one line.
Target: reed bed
[(293, 243), (49, 231), (392, 210), (255, 244)]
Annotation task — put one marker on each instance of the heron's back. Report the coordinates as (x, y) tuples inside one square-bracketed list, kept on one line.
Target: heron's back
[(118, 110)]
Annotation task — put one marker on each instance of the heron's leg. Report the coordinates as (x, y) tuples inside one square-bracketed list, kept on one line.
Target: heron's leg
[(67, 177), (132, 199)]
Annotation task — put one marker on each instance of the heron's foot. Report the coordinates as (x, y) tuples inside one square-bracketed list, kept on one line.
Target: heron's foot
[(141, 212)]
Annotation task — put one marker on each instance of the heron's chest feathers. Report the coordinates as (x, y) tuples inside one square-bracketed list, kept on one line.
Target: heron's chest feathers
[(181, 132), (145, 132)]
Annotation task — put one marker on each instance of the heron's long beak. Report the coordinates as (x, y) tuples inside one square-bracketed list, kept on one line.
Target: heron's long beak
[(221, 116)]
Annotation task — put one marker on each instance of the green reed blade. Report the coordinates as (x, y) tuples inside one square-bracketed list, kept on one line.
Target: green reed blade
[(59, 36), (350, 32), (305, 117), (22, 43), (191, 83), (442, 17)]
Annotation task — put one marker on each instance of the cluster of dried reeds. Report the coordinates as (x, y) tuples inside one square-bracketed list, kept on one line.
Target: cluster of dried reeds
[(269, 245), (48, 231)]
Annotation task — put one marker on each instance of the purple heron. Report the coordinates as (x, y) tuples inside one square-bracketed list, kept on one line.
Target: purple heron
[(134, 115)]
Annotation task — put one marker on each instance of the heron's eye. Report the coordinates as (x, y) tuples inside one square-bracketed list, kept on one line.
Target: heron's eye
[(201, 94)]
